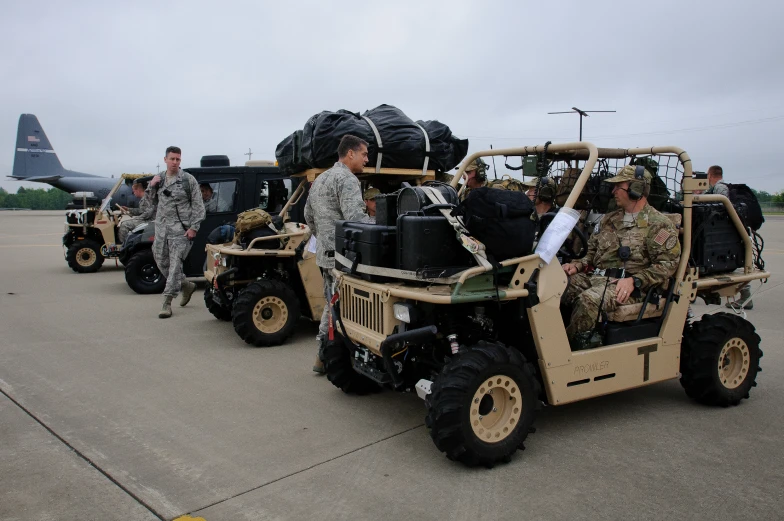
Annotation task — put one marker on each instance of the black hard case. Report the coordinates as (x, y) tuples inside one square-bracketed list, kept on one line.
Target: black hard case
[(428, 242), (386, 209), (718, 247), (366, 243)]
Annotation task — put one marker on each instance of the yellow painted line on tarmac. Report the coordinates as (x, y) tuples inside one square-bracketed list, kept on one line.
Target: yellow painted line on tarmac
[(188, 518)]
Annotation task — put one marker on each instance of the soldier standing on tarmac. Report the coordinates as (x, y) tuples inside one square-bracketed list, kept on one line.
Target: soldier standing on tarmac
[(716, 182), (180, 211), (719, 187), (334, 195)]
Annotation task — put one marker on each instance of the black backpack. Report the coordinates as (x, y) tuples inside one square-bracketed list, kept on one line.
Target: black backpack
[(747, 205), (500, 219)]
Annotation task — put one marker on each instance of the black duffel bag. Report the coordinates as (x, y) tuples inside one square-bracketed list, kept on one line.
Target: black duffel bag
[(501, 220), (402, 140)]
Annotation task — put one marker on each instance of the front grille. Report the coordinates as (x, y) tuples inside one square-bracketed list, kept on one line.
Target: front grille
[(362, 307)]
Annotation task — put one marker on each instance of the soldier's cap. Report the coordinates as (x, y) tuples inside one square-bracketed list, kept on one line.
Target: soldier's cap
[(546, 181), (478, 165), (370, 193), (627, 174)]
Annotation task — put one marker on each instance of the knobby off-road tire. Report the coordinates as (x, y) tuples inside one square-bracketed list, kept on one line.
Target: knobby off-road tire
[(720, 359), (483, 404), (339, 370), (218, 311), (265, 313), (143, 275), (84, 256)]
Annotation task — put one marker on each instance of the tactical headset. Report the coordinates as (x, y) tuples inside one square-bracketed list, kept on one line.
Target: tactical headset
[(481, 171), (638, 186), (545, 191)]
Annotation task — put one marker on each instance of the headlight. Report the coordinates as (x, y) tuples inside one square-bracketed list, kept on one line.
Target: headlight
[(403, 312)]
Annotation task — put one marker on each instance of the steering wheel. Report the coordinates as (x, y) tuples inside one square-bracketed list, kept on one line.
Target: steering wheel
[(566, 251)]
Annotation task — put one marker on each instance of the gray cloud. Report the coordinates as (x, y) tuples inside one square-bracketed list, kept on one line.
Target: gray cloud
[(113, 86)]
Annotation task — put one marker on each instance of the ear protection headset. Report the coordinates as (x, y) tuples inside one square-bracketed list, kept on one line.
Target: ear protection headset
[(637, 187), (481, 171), (545, 190)]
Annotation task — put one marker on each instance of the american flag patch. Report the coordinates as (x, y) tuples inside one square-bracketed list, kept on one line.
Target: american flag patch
[(661, 237), (32, 139)]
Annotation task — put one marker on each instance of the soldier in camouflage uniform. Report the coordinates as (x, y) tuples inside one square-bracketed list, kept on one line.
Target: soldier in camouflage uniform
[(716, 182), (654, 250), (369, 196), (145, 212), (208, 198), (541, 191), (475, 176), (180, 211), (335, 195)]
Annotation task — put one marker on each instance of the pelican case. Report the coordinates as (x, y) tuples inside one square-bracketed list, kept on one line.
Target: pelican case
[(427, 245), (717, 245), (386, 209), (366, 243)]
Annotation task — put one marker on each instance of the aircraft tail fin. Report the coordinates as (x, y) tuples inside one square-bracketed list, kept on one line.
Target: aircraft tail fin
[(34, 156)]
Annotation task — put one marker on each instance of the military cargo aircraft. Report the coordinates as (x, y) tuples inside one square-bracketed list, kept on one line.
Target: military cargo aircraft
[(35, 160)]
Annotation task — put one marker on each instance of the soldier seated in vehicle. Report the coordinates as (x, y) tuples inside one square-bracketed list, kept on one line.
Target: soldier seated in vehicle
[(636, 248), (541, 191), (208, 196), (145, 212), (369, 196), (475, 176)]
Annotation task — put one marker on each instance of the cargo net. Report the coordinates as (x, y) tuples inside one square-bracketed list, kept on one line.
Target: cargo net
[(665, 195)]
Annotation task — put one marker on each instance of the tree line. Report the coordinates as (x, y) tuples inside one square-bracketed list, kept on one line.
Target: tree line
[(767, 197), (35, 199)]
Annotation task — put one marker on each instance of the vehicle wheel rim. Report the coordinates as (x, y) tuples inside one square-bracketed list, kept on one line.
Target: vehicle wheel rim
[(734, 361), (495, 409), (86, 257), (150, 274), (270, 314)]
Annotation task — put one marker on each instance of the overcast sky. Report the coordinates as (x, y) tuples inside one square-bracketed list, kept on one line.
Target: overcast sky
[(114, 86)]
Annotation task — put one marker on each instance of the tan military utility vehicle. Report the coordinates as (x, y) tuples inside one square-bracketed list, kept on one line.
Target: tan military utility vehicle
[(264, 289), (485, 345), (91, 231)]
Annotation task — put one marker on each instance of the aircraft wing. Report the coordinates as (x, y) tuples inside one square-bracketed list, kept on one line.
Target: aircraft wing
[(38, 179)]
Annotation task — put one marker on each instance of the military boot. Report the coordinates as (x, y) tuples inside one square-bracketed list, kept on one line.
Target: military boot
[(745, 295), (187, 290), (318, 367), (166, 311)]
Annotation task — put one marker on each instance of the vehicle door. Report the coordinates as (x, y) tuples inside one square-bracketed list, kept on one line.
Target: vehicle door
[(222, 206)]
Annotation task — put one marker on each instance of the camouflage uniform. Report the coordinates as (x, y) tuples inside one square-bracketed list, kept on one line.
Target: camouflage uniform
[(655, 252), (720, 188), (211, 205), (171, 246), (334, 195), (145, 212)]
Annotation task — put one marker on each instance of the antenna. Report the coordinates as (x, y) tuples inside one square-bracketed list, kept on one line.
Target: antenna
[(582, 114), (248, 153), (158, 166)]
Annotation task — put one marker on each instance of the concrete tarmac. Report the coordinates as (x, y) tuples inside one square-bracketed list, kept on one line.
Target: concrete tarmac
[(107, 412)]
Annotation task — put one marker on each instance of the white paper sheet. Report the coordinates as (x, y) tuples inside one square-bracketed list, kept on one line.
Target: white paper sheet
[(556, 233), (312, 244)]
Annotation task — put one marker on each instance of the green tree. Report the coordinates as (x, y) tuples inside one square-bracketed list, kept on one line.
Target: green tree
[(35, 199)]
